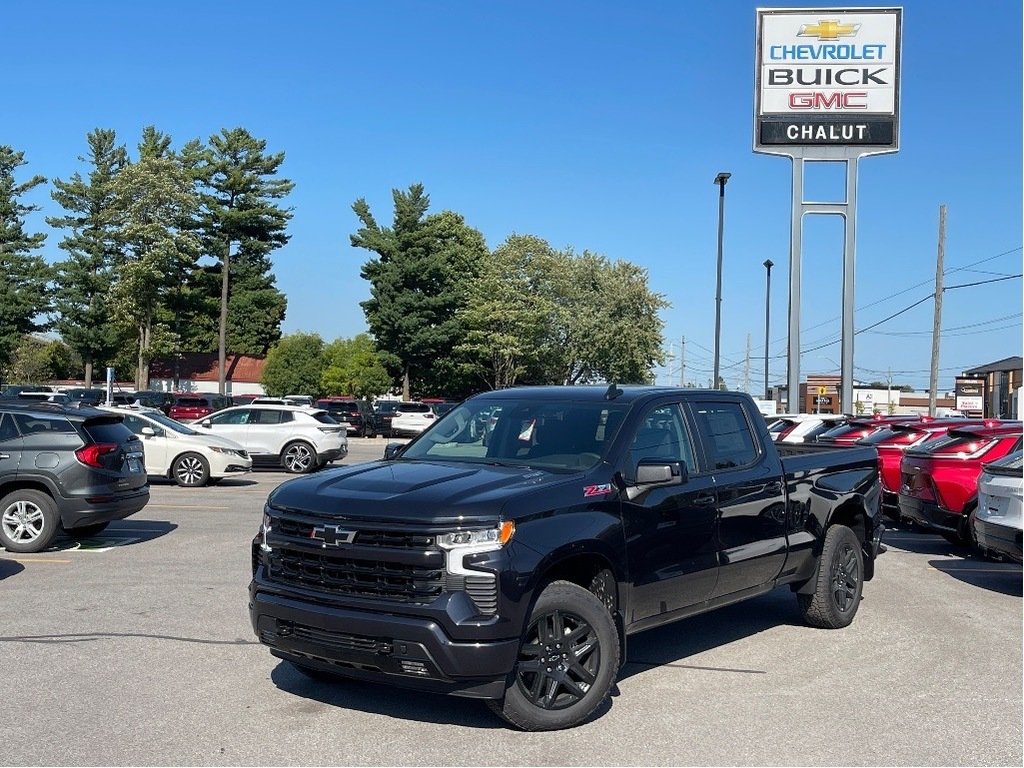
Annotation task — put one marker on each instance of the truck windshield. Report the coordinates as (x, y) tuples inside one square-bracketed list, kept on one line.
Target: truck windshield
[(552, 435)]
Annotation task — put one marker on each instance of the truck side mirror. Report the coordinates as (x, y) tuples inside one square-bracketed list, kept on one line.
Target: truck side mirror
[(660, 472), (391, 450)]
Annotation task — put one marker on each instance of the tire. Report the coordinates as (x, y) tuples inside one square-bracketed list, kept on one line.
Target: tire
[(190, 470), (86, 531), (839, 581), (568, 660), (298, 458), (28, 521)]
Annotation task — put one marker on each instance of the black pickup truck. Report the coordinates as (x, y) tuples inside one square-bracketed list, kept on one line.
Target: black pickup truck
[(514, 571)]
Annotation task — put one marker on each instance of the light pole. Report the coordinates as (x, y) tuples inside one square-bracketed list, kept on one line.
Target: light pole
[(768, 264), (720, 180)]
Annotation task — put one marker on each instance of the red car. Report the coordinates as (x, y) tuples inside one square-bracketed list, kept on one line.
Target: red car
[(894, 439), (858, 428), (939, 480), (196, 406)]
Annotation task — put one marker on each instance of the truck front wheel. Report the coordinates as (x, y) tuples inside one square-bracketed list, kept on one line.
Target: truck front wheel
[(838, 582), (567, 661)]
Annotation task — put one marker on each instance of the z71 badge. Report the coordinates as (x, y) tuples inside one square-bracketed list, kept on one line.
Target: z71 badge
[(597, 490)]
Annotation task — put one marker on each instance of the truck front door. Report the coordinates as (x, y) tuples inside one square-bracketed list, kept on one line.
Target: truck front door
[(670, 531)]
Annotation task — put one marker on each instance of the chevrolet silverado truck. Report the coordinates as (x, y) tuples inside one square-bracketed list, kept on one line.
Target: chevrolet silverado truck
[(515, 570)]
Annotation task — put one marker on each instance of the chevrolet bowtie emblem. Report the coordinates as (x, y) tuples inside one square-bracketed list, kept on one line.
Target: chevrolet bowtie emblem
[(332, 535), (828, 29)]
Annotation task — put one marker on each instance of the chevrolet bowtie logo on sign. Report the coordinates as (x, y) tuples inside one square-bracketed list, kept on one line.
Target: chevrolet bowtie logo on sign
[(332, 535), (828, 29)]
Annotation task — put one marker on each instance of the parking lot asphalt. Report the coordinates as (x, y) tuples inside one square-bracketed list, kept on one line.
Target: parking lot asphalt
[(137, 650)]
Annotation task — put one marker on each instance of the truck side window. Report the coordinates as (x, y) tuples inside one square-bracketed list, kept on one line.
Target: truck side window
[(728, 438), (7, 429), (662, 435)]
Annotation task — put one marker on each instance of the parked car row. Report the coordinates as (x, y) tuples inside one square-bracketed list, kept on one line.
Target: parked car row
[(933, 470)]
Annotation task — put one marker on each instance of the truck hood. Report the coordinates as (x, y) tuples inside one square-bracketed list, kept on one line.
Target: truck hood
[(412, 491)]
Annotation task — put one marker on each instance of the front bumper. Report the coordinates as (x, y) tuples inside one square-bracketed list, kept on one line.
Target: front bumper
[(398, 650), (929, 514)]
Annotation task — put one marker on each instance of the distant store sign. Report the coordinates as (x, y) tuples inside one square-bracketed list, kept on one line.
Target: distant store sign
[(970, 394), (827, 77)]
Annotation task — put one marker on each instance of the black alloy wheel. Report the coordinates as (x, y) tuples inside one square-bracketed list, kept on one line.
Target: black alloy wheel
[(558, 661), (845, 577), (567, 663), (837, 584)]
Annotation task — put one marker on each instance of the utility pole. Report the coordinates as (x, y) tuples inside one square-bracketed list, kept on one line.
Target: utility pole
[(682, 362), (933, 380), (888, 396), (746, 368)]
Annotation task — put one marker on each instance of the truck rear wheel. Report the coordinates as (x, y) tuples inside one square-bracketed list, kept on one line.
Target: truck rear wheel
[(838, 582), (567, 662)]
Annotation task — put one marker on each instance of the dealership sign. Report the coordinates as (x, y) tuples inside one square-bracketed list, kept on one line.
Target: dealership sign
[(827, 77)]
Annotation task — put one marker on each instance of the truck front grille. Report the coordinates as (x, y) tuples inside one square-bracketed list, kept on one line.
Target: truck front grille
[(394, 564), (340, 575)]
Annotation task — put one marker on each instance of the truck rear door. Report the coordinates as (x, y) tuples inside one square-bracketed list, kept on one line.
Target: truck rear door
[(751, 500)]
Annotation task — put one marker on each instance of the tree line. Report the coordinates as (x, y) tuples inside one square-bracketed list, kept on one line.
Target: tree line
[(448, 317), (168, 252), (165, 253)]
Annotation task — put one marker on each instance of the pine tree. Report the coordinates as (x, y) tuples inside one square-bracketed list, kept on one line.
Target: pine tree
[(418, 286), (24, 276), (83, 280), (240, 212)]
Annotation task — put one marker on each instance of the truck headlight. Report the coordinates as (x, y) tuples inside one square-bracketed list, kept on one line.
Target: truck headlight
[(466, 542), (264, 530)]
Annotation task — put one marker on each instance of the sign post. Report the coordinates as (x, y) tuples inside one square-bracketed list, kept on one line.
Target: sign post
[(826, 90)]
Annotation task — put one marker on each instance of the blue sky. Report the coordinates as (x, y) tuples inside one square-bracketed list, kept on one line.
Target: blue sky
[(592, 124)]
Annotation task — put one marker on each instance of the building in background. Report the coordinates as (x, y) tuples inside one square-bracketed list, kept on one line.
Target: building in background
[(993, 387), (197, 372)]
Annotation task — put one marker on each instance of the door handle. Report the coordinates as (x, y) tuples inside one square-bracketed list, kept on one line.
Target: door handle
[(705, 500), (775, 487), (5, 455)]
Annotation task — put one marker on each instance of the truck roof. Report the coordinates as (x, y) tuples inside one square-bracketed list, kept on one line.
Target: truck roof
[(626, 393)]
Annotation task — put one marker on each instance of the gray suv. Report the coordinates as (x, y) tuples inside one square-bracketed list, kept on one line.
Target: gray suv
[(67, 467)]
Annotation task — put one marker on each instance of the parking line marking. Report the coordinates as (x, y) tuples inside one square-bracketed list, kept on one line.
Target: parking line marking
[(35, 559), (975, 570), (183, 506)]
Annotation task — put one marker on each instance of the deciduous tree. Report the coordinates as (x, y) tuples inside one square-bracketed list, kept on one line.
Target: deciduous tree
[(156, 206), (352, 367), (294, 366)]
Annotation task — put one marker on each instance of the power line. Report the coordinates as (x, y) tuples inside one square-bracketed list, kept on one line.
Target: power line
[(891, 296), (984, 282), (953, 328)]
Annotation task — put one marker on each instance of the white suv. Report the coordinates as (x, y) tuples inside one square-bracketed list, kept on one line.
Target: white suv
[(188, 456), (411, 418), (299, 439)]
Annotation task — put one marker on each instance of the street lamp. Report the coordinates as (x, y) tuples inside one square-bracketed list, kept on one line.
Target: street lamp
[(768, 264), (720, 180)]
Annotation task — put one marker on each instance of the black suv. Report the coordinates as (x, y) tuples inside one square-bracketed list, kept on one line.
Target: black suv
[(63, 466), (356, 415)]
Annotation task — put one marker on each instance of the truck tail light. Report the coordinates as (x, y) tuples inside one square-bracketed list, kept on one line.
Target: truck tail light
[(90, 454)]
